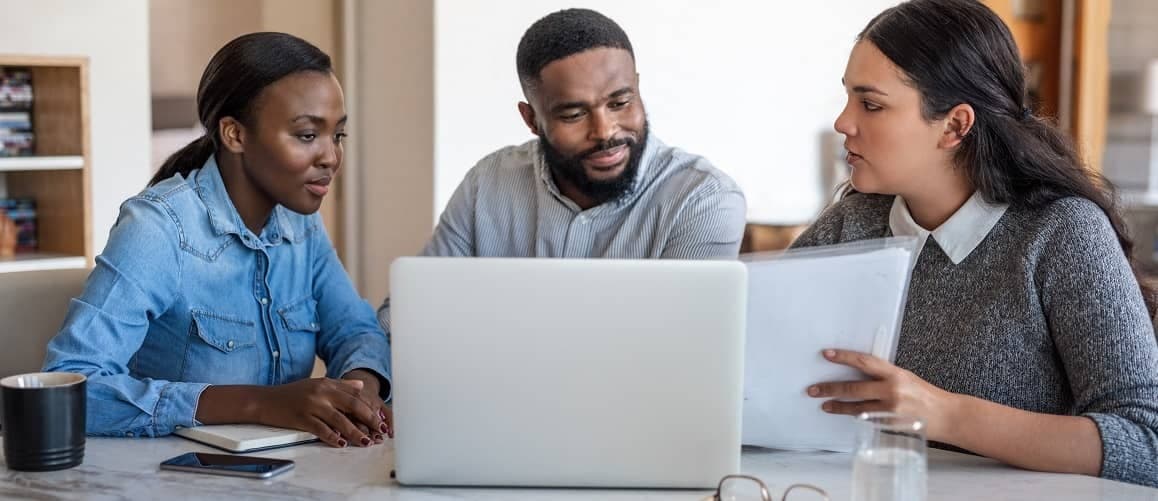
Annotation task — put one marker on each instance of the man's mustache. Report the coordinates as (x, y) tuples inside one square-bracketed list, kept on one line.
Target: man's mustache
[(607, 145)]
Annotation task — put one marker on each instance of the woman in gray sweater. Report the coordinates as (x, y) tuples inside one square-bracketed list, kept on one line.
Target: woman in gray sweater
[(1027, 337)]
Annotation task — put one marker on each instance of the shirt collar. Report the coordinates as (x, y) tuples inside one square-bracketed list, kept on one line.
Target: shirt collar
[(650, 147), (960, 234), (223, 215)]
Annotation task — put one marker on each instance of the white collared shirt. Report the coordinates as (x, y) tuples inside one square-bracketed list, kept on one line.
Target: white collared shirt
[(958, 235)]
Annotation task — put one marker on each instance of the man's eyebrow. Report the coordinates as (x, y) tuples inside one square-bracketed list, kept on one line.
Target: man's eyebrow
[(566, 105)]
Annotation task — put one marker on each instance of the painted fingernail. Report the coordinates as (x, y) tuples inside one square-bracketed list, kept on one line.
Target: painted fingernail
[(381, 413), (365, 441), (383, 427), (341, 442), (814, 391), (378, 437)]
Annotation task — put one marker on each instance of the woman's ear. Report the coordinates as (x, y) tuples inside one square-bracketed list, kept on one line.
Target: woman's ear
[(958, 123), (232, 134)]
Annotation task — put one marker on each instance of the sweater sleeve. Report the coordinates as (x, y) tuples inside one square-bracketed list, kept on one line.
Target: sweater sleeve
[(1104, 336)]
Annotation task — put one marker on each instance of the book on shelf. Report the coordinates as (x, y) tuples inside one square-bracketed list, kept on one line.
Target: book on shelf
[(22, 212), (15, 88), (16, 132), (15, 121), (16, 144)]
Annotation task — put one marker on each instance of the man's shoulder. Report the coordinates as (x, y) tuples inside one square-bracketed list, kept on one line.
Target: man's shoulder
[(683, 171), (513, 160)]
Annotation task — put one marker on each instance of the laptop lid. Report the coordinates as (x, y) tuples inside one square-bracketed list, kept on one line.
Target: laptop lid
[(581, 373)]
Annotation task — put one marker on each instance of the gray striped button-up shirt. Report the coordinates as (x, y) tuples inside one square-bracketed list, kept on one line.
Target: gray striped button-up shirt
[(680, 207)]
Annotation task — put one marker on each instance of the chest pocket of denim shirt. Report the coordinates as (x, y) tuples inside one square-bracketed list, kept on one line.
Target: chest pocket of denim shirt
[(220, 357), (300, 318)]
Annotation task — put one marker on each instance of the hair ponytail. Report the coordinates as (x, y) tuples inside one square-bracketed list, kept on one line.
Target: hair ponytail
[(185, 160)]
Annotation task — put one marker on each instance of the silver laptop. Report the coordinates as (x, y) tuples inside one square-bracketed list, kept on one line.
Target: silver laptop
[(567, 373)]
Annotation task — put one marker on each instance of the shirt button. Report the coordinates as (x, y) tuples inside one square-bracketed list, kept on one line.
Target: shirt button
[(265, 300), (130, 434), (229, 345), (582, 219), (313, 325), (276, 353)]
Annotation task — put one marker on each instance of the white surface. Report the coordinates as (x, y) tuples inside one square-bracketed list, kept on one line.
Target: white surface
[(41, 163), (624, 373), (749, 84), (40, 261), (121, 468), (114, 35), (807, 302)]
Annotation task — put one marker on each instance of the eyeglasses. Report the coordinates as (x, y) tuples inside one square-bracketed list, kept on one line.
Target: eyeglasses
[(746, 487)]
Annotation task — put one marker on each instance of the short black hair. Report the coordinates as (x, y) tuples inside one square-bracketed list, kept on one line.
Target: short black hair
[(565, 33)]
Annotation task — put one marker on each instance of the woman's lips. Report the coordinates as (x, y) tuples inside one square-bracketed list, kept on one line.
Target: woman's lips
[(319, 186)]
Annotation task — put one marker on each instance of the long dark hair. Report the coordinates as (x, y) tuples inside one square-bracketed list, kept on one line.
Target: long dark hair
[(234, 78), (959, 51)]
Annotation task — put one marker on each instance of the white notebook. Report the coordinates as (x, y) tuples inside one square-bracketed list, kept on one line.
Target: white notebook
[(245, 437)]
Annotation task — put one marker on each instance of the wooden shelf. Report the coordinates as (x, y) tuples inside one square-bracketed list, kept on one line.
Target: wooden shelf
[(58, 176), (41, 261), (69, 162)]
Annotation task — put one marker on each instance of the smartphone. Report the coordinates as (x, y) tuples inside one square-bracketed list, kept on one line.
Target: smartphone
[(224, 464)]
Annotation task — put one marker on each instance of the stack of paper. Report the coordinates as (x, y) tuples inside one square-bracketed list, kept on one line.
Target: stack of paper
[(800, 303)]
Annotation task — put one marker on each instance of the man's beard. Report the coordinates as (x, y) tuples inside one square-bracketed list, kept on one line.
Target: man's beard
[(600, 191)]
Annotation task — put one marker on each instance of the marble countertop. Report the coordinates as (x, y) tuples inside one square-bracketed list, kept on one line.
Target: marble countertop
[(125, 468)]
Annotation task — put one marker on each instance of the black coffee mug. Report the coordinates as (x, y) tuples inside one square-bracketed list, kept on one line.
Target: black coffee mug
[(43, 420)]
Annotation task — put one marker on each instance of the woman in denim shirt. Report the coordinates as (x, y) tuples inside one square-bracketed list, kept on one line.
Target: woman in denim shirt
[(219, 284)]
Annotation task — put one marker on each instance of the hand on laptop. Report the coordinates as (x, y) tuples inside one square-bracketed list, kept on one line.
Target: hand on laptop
[(891, 389), (332, 409)]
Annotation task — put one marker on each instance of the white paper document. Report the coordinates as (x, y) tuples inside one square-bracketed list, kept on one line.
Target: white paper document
[(801, 302)]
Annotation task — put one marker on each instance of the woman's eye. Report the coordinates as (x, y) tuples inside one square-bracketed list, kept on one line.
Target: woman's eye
[(307, 138), (870, 106)]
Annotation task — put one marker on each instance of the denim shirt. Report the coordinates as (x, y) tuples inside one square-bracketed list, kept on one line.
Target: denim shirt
[(184, 296)]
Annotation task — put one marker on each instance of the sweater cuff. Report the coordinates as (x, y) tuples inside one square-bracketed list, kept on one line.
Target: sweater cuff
[(1117, 445)]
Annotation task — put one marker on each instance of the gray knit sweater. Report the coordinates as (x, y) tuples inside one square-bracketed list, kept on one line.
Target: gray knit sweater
[(1044, 315)]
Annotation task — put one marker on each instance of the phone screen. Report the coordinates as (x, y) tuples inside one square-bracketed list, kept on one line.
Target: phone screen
[(241, 465)]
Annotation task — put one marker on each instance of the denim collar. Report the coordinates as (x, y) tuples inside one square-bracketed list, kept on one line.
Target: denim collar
[(225, 219)]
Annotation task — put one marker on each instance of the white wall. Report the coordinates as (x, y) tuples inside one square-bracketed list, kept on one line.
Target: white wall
[(114, 35), (750, 84)]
